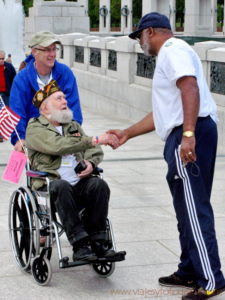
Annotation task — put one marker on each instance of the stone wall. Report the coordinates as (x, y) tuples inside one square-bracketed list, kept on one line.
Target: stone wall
[(56, 16), (114, 76)]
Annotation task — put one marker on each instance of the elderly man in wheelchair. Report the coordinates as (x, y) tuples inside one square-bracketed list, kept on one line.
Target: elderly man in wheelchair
[(58, 147)]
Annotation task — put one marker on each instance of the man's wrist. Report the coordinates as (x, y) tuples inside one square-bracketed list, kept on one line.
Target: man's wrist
[(188, 133), (95, 140)]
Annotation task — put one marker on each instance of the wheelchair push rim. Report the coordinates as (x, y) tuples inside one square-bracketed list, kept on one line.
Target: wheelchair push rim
[(23, 227)]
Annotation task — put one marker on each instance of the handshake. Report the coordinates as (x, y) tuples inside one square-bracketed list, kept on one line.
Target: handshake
[(107, 138)]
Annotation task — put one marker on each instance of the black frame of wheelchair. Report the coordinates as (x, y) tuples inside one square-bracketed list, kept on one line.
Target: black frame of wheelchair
[(29, 220)]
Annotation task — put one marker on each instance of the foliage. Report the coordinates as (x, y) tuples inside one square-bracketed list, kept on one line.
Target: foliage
[(27, 4), (137, 11), (94, 13), (115, 13), (220, 14), (180, 12)]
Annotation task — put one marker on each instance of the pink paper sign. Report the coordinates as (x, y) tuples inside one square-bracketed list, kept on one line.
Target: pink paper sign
[(15, 166)]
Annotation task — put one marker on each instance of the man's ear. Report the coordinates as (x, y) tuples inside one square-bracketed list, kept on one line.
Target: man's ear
[(34, 52), (44, 107), (151, 31)]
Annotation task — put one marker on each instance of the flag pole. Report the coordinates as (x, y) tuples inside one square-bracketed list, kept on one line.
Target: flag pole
[(24, 148)]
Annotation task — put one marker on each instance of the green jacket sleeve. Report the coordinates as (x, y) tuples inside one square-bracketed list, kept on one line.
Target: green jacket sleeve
[(44, 138)]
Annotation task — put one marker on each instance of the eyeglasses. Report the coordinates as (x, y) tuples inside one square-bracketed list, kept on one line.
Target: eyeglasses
[(2, 58), (138, 36), (47, 49)]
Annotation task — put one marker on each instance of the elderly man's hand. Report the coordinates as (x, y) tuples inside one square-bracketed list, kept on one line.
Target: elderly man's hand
[(107, 139), (19, 146), (87, 171)]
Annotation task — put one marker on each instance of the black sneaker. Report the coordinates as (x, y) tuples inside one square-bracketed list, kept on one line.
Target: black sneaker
[(101, 248), (201, 294), (83, 253), (176, 281)]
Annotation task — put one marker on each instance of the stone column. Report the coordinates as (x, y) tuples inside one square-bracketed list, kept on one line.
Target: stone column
[(148, 6), (224, 17), (161, 6), (191, 17), (126, 16), (84, 3), (172, 14), (213, 16), (126, 59), (104, 17)]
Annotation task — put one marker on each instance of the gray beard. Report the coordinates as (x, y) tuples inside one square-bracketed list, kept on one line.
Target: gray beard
[(61, 116), (146, 49)]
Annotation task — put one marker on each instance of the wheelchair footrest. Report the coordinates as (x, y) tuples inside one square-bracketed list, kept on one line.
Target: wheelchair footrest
[(119, 256), (65, 263)]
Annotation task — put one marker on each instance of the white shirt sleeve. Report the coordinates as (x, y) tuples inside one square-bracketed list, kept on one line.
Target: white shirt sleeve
[(178, 63)]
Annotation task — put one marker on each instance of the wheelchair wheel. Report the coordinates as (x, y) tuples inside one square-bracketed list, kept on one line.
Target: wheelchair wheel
[(23, 227), (104, 269), (41, 270)]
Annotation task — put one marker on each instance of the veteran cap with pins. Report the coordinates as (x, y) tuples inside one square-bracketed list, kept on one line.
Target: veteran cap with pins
[(45, 92)]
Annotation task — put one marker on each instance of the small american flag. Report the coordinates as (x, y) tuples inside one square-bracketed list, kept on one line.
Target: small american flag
[(8, 120)]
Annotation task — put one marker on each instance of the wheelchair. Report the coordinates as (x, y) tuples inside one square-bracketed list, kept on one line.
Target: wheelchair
[(30, 217)]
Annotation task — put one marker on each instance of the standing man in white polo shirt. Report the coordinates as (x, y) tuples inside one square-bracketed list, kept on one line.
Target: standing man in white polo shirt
[(184, 116)]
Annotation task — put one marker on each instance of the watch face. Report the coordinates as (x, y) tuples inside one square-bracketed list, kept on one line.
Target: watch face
[(188, 133)]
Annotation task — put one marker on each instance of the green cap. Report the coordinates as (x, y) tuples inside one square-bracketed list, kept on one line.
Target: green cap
[(44, 39)]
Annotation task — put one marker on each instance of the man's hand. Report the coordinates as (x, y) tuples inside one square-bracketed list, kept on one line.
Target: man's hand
[(121, 135), (87, 171), (18, 146), (187, 150), (106, 139)]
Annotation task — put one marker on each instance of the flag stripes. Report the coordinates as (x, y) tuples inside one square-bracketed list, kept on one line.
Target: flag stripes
[(8, 120)]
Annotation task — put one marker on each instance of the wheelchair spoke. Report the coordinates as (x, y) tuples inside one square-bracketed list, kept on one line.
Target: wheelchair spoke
[(41, 270), (104, 269), (21, 246), (27, 247), (17, 211)]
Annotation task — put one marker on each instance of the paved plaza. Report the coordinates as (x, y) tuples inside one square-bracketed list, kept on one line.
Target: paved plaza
[(143, 221)]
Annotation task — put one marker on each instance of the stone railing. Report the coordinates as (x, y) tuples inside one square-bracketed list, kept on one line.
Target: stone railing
[(115, 77)]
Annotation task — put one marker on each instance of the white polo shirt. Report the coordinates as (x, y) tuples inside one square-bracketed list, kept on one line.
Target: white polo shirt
[(175, 60)]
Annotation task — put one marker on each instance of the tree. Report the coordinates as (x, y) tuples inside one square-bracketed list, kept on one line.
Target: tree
[(94, 13), (27, 4), (180, 12), (115, 13), (137, 11)]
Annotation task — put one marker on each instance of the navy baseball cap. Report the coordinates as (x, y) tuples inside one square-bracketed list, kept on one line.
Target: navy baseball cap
[(154, 20)]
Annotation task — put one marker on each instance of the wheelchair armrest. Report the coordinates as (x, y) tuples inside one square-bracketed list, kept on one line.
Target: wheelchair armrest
[(97, 171), (35, 174)]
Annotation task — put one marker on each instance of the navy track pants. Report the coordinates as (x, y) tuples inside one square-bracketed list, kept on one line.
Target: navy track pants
[(191, 187)]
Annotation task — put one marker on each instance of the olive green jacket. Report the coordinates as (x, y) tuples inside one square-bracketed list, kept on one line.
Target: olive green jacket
[(46, 147)]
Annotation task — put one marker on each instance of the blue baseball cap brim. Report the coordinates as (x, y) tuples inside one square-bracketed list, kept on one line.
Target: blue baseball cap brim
[(154, 20)]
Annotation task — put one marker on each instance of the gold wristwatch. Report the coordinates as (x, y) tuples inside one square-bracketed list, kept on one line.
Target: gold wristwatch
[(188, 133)]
